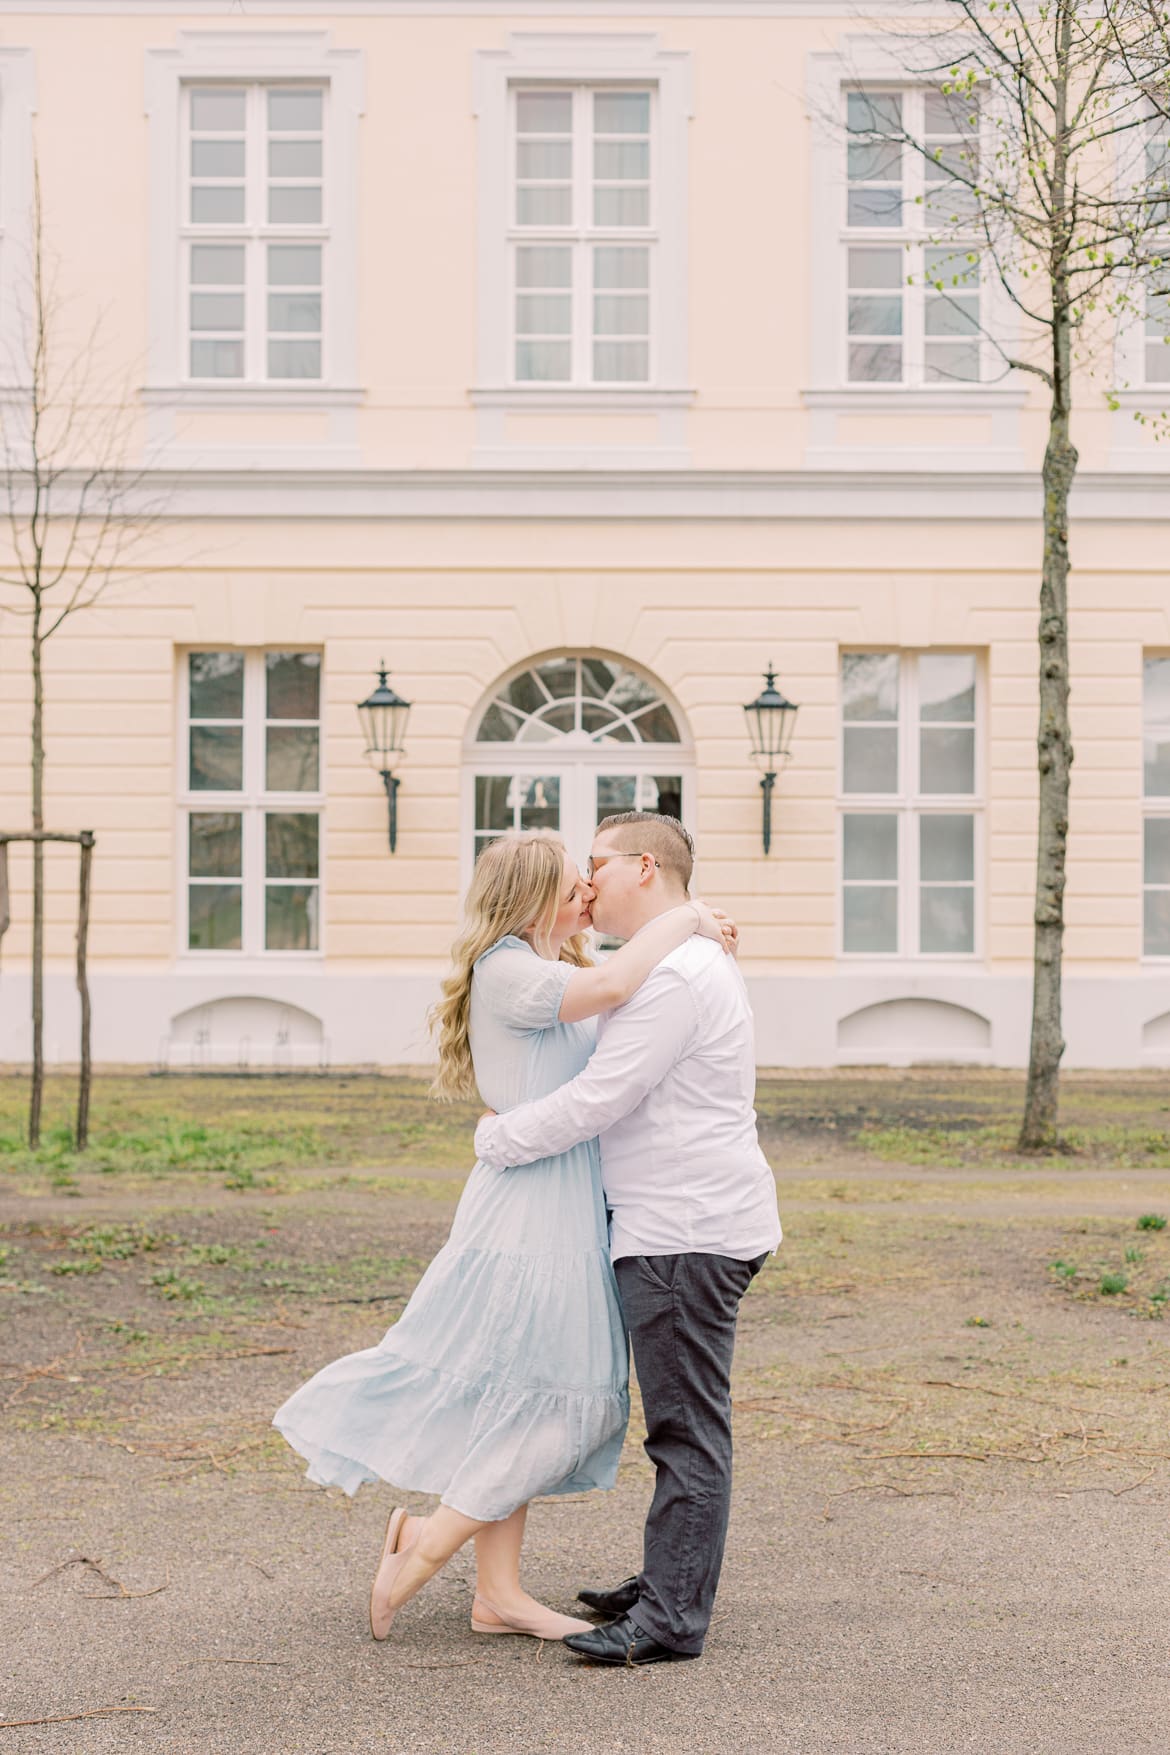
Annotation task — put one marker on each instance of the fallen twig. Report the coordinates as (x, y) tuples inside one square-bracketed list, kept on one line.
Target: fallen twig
[(273, 1663), (452, 1664), (119, 1593), (63, 1718), (1116, 1492), (889, 1487)]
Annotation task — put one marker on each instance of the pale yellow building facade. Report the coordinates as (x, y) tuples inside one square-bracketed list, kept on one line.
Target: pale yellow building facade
[(559, 358)]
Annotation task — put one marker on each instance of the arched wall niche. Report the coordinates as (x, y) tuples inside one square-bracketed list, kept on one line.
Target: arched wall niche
[(245, 1030), (905, 1030)]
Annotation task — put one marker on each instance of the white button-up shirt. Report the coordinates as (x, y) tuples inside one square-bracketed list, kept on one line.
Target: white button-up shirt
[(669, 1090)]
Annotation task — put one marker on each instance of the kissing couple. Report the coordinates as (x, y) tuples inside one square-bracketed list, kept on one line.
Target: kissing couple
[(619, 1189)]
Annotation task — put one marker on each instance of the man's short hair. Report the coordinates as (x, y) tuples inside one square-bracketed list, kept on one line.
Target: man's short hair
[(645, 831)]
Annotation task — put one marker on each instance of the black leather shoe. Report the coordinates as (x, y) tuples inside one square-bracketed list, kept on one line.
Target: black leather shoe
[(625, 1644), (618, 1601)]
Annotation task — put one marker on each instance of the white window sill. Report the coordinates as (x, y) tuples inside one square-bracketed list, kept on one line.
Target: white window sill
[(231, 394), (569, 398), (918, 399), (248, 963), (1152, 398)]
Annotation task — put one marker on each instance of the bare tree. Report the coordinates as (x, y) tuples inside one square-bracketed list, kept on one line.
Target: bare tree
[(75, 512), (1043, 181)]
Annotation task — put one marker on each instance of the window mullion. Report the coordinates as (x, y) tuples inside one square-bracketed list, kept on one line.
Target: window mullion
[(582, 222)]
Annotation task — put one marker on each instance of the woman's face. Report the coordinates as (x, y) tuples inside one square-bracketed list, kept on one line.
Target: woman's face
[(576, 904)]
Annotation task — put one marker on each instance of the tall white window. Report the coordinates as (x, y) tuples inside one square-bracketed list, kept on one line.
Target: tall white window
[(1156, 790), (250, 799), (910, 803), (911, 257), (569, 741), (254, 231), (582, 236)]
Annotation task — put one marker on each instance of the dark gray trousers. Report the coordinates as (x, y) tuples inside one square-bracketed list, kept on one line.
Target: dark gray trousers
[(681, 1312)]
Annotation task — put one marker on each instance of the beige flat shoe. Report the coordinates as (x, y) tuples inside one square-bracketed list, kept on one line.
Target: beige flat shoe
[(544, 1624), (389, 1565)]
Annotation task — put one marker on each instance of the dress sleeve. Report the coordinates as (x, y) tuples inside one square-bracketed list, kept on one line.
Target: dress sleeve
[(523, 990)]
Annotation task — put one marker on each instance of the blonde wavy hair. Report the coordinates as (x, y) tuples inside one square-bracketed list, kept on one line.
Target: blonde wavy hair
[(516, 889)]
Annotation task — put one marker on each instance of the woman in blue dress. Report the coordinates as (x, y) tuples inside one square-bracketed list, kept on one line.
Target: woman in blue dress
[(505, 1377)]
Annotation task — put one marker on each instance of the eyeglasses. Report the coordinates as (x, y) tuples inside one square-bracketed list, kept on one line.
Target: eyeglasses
[(593, 866)]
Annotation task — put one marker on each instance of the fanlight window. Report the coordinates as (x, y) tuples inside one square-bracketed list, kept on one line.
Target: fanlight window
[(591, 700)]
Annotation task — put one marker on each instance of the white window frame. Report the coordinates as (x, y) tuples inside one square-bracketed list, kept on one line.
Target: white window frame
[(252, 803), (1153, 805), (250, 58), (909, 805), (576, 762), (1134, 395), (582, 59), (872, 63)]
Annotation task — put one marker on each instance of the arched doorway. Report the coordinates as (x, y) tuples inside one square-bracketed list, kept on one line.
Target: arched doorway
[(567, 740)]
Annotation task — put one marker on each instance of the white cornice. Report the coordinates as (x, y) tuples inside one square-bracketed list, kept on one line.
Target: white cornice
[(676, 495), (551, 10)]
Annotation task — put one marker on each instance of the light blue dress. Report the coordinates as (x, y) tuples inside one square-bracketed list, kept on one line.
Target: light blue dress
[(506, 1375)]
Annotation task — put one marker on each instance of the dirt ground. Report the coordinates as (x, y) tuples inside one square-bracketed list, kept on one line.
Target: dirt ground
[(950, 1529)]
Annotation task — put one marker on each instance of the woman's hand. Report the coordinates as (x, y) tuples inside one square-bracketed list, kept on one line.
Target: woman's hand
[(729, 929), (714, 924)]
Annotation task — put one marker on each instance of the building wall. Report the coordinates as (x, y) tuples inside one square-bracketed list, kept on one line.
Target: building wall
[(697, 534)]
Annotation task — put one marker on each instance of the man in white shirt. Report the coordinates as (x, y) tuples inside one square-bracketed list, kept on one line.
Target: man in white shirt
[(669, 1090)]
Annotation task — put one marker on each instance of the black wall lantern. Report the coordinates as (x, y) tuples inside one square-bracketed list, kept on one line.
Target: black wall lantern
[(383, 715), (770, 719)]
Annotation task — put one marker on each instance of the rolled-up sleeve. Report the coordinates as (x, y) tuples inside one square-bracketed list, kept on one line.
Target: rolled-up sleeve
[(643, 1039)]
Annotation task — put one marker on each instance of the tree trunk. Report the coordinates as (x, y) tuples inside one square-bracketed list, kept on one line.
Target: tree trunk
[(82, 1139), (1038, 1131), (36, 1093)]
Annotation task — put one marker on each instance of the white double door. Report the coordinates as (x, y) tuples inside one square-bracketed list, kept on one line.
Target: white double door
[(572, 796)]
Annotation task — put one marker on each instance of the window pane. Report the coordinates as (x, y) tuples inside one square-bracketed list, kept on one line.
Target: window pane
[(290, 844), (946, 921), (294, 311), (656, 725), (874, 206), (1156, 726), (616, 792), (1157, 850), (870, 759), (294, 158), (294, 359), (543, 313), (217, 759), (214, 917), (215, 844), (869, 685), (291, 759), (216, 685), (947, 848), (542, 361), (878, 269), (617, 206), (621, 112), (496, 726), (618, 314), (952, 364), (948, 760), (217, 359), (873, 112), (621, 161), (663, 793), (950, 314), (217, 310), (559, 677), (871, 918), (290, 917), (875, 316), (952, 113), (875, 362), (294, 204), (870, 846), (294, 265), (562, 717), (217, 112), (544, 265), (493, 809), (540, 802), (946, 686), (217, 204), (217, 265), (544, 161), (597, 677), (217, 158), (626, 362), (294, 112), (293, 682), (538, 204), (621, 265), (1156, 923), (544, 112)]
